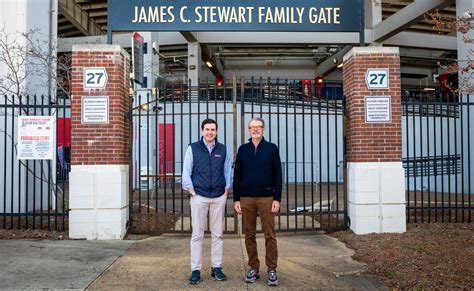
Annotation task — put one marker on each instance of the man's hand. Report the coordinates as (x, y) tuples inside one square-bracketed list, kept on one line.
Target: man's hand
[(191, 192), (237, 207), (226, 192), (275, 206)]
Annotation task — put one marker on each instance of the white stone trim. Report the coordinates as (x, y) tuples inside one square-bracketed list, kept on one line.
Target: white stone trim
[(355, 51), (376, 197), (99, 48), (98, 201)]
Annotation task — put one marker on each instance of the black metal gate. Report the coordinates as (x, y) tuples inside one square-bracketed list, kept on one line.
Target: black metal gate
[(305, 122), (33, 192), (437, 150)]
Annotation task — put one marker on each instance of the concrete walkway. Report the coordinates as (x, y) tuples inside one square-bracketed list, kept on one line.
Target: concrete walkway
[(55, 264), (306, 262)]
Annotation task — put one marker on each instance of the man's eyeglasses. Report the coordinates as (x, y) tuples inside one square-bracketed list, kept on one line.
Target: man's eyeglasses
[(256, 127)]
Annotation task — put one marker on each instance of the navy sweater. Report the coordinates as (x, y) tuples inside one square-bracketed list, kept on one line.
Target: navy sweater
[(257, 171)]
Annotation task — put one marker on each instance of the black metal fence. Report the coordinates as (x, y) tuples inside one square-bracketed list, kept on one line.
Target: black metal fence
[(437, 151), (33, 192), (307, 127)]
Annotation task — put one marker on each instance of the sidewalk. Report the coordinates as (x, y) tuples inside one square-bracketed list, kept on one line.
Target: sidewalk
[(306, 262), (68, 264)]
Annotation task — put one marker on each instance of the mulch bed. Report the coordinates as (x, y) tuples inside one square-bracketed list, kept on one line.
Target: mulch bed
[(22, 227), (151, 221), (426, 256), (30, 234)]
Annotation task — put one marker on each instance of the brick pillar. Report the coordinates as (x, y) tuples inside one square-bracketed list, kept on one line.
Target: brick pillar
[(376, 181), (98, 192)]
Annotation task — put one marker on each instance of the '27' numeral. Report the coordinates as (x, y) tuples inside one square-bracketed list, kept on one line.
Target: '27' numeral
[(94, 78), (377, 79)]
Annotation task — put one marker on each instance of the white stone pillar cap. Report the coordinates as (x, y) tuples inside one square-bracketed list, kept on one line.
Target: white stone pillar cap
[(370, 50)]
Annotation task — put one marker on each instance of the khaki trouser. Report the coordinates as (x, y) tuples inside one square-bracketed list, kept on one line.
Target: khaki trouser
[(200, 207), (263, 206)]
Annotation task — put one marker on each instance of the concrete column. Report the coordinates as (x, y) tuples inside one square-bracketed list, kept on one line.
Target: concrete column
[(465, 14), (151, 72), (26, 16), (376, 182), (373, 13), (151, 61), (194, 62), (98, 186)]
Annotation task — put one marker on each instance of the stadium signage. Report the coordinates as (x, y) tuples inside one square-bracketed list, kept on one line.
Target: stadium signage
[(227, 15)]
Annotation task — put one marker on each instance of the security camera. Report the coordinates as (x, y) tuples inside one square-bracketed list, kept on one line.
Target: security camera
[(157, 109)]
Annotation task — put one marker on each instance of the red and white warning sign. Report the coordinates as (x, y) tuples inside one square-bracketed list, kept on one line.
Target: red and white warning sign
[(35, 137)]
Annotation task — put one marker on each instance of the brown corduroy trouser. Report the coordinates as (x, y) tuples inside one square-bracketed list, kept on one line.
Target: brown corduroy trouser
[(251, 206)]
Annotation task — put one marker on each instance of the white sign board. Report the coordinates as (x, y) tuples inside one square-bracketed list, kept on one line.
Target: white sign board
[(377, 78), (378, 109), (95, 78), (35, 137), (95, 109)]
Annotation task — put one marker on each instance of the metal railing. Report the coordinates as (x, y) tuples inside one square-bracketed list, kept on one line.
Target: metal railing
[(437, 153), (32, 193), (307, 129)]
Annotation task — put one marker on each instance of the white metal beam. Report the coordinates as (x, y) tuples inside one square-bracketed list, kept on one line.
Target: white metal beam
[(404, 39), (279, 37), (170, 38), (422, 40), (123, 39), (329, 65), (406, 17)]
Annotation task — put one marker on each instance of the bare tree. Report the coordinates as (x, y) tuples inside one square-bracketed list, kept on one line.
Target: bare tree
[(57, 67), (463, 67), (13, 59), (30, 54)]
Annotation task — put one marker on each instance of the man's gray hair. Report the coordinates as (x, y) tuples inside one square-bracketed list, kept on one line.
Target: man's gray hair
[(257, 119)]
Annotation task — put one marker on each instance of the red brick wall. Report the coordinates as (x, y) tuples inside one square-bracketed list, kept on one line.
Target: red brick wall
[(371, 142), (101, 144)]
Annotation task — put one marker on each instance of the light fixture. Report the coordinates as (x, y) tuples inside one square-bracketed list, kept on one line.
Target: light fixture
[(467, 15), (144, 107), (209, 64), (429, 89), (320, 80), (340, 65)]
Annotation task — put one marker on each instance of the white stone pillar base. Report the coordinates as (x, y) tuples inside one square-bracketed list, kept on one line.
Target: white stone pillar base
[(376, 197), (98, 201)]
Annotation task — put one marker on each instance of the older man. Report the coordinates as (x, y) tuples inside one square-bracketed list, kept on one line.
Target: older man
[(257, 191)]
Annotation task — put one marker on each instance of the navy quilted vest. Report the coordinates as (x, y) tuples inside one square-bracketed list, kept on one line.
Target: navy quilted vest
[(208, 169)]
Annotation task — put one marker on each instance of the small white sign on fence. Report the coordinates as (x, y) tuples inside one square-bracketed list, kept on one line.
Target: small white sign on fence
[(35, 137)]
